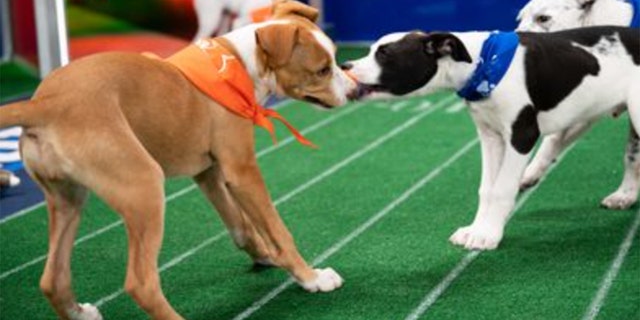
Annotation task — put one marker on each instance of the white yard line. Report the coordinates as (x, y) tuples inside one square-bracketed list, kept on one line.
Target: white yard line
[(185, 190), (441, 287), (457, 107), (361, 229), (295, 191), (278, 106), (612, 273), (22, 212)]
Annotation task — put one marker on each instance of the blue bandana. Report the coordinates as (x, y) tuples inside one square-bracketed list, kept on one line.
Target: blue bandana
[(635, 21), (496, 55)]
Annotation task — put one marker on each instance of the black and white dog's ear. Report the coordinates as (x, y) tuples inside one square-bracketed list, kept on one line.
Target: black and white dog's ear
[(586, 4), (446, 44)]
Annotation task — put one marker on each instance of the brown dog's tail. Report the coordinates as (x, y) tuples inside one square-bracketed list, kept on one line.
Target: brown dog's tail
[(21, 113)]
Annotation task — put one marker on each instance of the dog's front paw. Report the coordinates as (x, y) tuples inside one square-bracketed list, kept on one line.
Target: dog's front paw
[(477, 237), (85, 311), (620, 200), (326, 280)]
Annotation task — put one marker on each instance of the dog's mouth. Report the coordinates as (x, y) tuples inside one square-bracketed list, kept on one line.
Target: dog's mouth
[(365, 90), (317, 102)]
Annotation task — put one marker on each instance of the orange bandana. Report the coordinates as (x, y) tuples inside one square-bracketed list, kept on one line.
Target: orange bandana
[(222, 76), (261, 14)]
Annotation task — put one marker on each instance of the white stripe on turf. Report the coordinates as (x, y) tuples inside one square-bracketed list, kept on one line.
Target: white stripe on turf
[(362, 228), (22, 212), (435, 293), (457, 107), (186, 190), (278, 106), (300, 188), (607, 281)]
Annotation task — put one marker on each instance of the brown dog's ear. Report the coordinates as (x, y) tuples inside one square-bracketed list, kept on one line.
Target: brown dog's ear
[(282, 8), (277, 42)]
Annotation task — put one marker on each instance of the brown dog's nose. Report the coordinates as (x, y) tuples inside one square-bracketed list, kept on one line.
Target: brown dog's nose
[(346, 66)]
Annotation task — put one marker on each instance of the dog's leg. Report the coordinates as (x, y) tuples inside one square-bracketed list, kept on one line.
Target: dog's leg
[(487, 228), (627, 193), (209, 14), (551, 146), (64, 203), (492, 150), (244, 181), (243, 233), (130, 182)]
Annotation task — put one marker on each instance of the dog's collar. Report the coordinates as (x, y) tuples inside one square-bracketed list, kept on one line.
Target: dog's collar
[(219, 73), (495, 57), (635, 6)]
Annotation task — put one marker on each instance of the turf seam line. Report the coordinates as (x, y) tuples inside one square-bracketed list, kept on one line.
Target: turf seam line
[(293, 192), (186, 190), (612, 273), (278, 106), (430, 299), (362, 228)]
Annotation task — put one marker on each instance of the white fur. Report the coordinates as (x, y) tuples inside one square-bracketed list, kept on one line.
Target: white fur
[(502, 165), (210, 14), (568, 14), (326, 280), (87, 312)]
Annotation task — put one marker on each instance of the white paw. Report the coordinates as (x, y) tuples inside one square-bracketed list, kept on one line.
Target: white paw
[(477, 237), (85, 311), (620, 200), (325, 281), (531, 177)]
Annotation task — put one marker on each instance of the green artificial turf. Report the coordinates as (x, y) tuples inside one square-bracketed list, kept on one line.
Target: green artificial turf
[(17, 81), (84, 22), (555, 252)]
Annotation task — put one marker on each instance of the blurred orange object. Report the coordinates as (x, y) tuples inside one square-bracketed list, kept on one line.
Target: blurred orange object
[(161, 45), (261, 14)]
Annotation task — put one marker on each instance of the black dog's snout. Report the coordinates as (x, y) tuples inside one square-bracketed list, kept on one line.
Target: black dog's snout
[(346, 66)]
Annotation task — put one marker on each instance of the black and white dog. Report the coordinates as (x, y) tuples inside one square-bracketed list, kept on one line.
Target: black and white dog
[(556, 15), (519, 86)]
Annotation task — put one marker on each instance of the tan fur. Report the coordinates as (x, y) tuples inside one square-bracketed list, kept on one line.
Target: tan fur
[(120, 124)]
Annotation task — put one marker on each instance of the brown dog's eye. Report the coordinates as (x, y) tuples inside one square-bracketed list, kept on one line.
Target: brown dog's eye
[(324, 71), (543, 18)]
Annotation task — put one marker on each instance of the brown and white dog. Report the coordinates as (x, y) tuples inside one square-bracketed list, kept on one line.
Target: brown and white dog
[(119, 124)]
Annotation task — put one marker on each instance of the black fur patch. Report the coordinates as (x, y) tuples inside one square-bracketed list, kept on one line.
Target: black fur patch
[(525, 131), (409, 63), (555, 66), (588, 37), (405, 65)]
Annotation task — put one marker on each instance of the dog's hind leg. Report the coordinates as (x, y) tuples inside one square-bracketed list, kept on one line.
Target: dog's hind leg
[(136, 192), (627, 193), (119, 170), (242, 231), (64, 203), (551, 146)]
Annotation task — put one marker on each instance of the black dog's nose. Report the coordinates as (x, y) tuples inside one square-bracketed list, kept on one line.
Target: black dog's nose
[(346, 66)]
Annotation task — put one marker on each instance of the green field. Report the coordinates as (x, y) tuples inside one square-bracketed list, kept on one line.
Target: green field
[(377, 202)]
